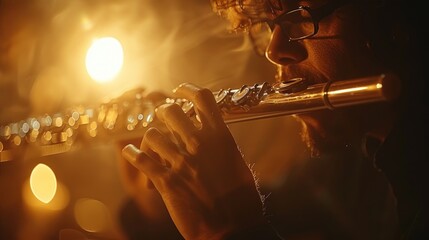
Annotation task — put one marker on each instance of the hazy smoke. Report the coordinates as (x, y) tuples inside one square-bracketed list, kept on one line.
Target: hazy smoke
[(165, 43)]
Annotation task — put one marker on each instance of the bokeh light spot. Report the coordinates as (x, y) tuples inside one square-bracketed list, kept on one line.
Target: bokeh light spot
[(43, 183), (91, 215), (104, 59)]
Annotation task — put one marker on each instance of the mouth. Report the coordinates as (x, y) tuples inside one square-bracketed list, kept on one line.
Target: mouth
[(291, 74), (284, 75), (293, 85)]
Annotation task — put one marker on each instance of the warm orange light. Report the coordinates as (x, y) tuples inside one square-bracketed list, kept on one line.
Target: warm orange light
[(104, 59), (355, 89), (58, 203), (43, 183), (91, 215)]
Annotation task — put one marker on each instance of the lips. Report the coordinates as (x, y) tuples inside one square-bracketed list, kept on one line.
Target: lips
[(286, 73)]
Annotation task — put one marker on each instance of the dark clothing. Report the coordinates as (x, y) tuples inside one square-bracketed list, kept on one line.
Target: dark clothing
[(336, 196), (136, 227), (403, 158)]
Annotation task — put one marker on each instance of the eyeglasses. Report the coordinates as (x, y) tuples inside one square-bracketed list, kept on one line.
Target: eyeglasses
[(297, 24)]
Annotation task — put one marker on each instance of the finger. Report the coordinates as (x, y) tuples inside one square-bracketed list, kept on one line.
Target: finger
[(204, 103), (162, 145), (180, 124), (146, 149), (155, 157), (143, 162)]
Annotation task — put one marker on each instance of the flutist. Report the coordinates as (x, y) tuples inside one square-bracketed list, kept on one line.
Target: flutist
[(189, 179)]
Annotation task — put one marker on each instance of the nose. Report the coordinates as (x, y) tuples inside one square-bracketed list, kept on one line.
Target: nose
[(281, 51)]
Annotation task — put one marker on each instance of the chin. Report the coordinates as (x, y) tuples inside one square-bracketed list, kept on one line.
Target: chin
[(327, 131), (311, 132)]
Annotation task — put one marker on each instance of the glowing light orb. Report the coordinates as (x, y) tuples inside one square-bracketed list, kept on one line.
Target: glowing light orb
[(91, 215), (104, 59), (43, 183)]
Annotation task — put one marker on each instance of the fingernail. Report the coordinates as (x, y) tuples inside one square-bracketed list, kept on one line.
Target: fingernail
[(130, 153)]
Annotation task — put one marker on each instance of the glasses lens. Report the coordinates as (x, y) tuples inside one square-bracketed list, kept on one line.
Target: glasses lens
[(260, 34), (297, 24)]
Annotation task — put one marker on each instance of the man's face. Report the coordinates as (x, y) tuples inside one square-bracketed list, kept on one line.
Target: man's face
[(337, 52)]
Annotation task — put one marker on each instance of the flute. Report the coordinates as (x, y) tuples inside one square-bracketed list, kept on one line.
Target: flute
[(127, 117)]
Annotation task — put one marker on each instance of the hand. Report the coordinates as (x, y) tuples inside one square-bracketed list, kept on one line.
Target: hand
[(206, 185)]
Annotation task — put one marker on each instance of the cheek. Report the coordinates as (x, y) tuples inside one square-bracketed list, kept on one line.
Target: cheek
[(358, 59), (339, 59), (328, 57), (339, 51)]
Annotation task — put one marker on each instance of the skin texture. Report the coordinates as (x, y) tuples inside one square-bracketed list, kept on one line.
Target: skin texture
[(186, 173), (208, 189)]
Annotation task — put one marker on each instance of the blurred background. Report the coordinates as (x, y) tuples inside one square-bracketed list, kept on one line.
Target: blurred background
[(50, 57)]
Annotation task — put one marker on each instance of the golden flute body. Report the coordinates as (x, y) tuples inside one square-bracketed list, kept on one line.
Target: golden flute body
[(128, 116), (319, 96)]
